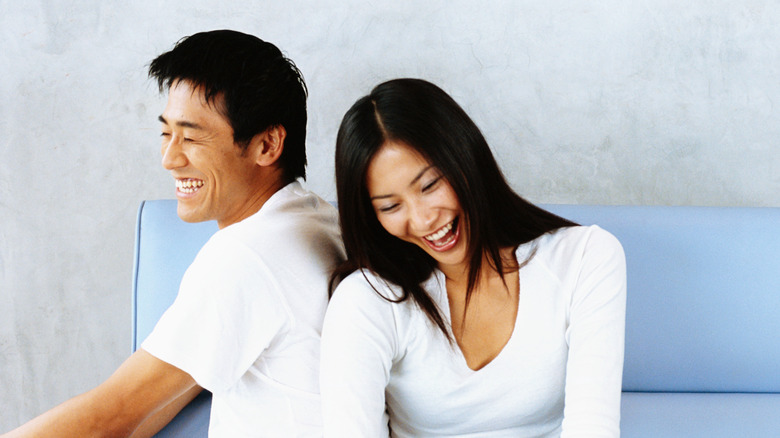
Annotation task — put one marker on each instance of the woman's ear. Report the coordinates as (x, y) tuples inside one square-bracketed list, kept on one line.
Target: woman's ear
[(268, 145)]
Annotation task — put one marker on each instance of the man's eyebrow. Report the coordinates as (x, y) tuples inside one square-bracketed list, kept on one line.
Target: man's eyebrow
[(182, 123), (414, 180)]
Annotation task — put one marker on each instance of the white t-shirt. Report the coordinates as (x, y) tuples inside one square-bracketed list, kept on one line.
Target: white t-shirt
[(558, 375), (246, 323)]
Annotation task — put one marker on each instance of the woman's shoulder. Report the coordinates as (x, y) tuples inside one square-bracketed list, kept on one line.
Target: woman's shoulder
[(366, 303), (573, 243), (366, 293), (580, 235), (366, 287)]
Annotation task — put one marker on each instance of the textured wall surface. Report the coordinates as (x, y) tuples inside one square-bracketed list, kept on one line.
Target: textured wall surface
[(611, 102)]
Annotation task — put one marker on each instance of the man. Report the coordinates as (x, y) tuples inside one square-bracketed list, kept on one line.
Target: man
[(246, 322)]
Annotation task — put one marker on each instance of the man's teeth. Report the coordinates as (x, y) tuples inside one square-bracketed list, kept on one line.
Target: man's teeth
[(439, 234), (188, 185)]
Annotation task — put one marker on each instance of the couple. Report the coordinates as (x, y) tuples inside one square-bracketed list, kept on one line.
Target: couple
[(458, 309)]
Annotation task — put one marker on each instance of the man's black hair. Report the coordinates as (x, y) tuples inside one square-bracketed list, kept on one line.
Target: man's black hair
[(249, 81)]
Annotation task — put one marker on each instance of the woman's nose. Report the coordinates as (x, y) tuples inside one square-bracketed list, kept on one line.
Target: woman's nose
[(422, 217)]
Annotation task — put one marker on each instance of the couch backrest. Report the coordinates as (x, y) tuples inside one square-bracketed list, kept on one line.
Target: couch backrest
[(703, 311)]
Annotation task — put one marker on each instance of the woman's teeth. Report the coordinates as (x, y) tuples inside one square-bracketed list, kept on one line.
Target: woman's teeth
[(439, 234), (188, 185)]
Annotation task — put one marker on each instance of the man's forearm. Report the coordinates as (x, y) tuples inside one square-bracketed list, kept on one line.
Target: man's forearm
[(142, 386), (85, 415)]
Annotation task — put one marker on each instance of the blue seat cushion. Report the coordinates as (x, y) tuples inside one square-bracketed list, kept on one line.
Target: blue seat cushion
[(704, 415)]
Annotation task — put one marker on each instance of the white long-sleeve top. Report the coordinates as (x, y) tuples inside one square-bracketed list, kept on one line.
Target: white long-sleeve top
[(388, 371)]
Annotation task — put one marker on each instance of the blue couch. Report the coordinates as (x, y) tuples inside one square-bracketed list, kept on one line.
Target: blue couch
[(702, 322)]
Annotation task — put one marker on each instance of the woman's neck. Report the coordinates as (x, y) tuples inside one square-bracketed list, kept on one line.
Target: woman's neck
[(483, 323)]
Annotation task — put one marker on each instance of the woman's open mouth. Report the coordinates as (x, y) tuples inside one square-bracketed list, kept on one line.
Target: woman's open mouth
[(445, 237)]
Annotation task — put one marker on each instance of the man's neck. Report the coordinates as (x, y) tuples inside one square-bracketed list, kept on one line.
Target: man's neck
[(266, 187)]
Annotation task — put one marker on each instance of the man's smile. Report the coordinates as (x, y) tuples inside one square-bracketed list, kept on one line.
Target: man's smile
[(188, 186)]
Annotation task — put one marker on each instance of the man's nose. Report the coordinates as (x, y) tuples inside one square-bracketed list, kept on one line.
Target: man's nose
[(172, 154)]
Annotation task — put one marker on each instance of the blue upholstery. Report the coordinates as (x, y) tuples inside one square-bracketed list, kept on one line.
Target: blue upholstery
[(699, 415), (701, 323)]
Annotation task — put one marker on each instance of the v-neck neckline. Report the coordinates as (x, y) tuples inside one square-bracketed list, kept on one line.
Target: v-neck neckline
[(444, 305)]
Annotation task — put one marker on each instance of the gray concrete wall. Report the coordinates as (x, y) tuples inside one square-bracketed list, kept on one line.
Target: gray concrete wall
[(613, 102)]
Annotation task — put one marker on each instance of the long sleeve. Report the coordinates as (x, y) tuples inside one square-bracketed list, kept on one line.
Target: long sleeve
[(595, 335), (358, 346)]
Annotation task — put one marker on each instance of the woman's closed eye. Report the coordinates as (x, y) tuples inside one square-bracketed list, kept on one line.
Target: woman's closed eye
[(431, 185), (386, 208)]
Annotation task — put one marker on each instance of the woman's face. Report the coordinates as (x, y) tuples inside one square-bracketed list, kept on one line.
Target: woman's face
[(414, 202)]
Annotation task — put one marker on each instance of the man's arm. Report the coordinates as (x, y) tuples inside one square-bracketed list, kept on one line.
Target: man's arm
[(155, 422), (141, 386)]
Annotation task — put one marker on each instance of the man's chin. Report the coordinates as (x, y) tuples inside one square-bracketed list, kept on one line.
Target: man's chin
[(188, 215)]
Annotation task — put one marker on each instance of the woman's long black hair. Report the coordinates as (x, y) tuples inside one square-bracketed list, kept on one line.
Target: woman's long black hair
[(424, 117)]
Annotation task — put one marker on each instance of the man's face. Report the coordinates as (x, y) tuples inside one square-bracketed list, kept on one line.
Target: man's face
[(214, 178)]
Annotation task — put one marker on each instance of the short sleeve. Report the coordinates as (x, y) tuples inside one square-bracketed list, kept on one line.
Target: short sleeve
[(226, 313), (358, 346), (595, 334)]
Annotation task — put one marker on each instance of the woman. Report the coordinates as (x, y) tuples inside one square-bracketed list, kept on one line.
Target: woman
[(462, 310)]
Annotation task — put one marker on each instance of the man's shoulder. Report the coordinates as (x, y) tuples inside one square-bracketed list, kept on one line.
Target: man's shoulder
[(294, 225), (290, 207)]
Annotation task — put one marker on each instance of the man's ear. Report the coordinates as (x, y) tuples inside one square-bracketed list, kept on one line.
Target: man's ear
[(268, 145)]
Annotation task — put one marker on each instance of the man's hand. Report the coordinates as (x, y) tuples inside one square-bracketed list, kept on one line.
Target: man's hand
[(139, 389)]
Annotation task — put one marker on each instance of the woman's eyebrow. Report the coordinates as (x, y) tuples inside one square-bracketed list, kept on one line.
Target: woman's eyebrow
[(419, 175)]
